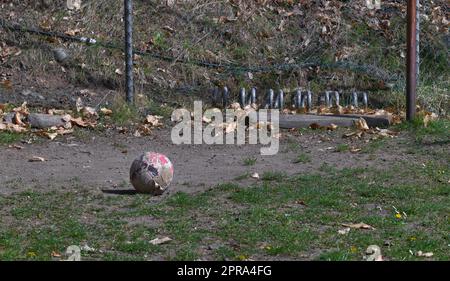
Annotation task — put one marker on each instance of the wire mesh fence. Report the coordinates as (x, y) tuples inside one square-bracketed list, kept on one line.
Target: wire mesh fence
[(191, 46)]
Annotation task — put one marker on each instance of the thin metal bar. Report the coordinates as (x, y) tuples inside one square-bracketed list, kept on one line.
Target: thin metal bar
[(411, 60), (128, 8), (418, 39)]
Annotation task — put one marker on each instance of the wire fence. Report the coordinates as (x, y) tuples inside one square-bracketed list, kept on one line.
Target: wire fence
[(183, 39)]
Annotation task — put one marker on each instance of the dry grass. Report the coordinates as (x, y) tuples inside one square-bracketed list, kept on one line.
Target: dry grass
[(243, 32)]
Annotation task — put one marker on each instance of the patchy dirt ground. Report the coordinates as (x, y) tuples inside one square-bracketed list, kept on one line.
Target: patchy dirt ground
[(101, 162)]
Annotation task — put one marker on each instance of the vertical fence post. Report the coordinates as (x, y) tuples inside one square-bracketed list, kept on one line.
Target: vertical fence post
[(128, 18), (418, 40), (411, 60)]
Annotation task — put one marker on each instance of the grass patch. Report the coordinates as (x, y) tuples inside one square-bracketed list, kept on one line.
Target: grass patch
[(9, 137), (249, 161), (436, 131), (263, 221), (302, 158), (124, 113), (272, 176), (342, 148)]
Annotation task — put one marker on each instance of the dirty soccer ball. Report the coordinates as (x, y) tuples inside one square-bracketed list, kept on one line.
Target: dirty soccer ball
[(151, 173)]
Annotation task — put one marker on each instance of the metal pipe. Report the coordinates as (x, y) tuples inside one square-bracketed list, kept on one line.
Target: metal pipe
[(242, 97), (280, 100), (298, 99), (253, 96), (355, 99), (365, 100), (327, 99), (309, 99), (270, 97), (337, 98), (128, 15), (411, 60), (418, 39), (225, 97)]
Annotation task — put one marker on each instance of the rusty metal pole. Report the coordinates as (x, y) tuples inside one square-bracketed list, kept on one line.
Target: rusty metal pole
[(128, 19), (411, 60)]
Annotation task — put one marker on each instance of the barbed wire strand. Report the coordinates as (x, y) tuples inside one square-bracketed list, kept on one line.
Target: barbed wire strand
[(370, 70)]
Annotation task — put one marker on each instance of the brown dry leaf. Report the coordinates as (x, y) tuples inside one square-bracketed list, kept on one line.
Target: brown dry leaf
[(23, 109), (361, 124), (106, 111), (332, 127), (337, 110), (355, 150), (15, 146), (358, 226), (63, 131), (143, 130), (36, 159), (79, 122), (154, 120), (159, 241), (56, 111), (7, 84), (426, 255), (72, 32), (56, 254), (88, 111), (353, 134), (385, 132), (315, 126), (16, 128), (235, 106), (51, 136), (428, 118)]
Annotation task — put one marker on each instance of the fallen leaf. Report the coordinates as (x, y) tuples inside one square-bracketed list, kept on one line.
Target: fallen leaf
[(16, 128), (361, 124), (344, 231), (355, 150), (429, 117), (255, 176), (353, 134), (332, 127), (79, 122), (159, 241), (153, 120), (56, 254), (106, 111), (337, 110), (426, 255), (315, 126), (36, 159), (235, 106), (88, 111), (51, 136), (15, 146), (359, 226)]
